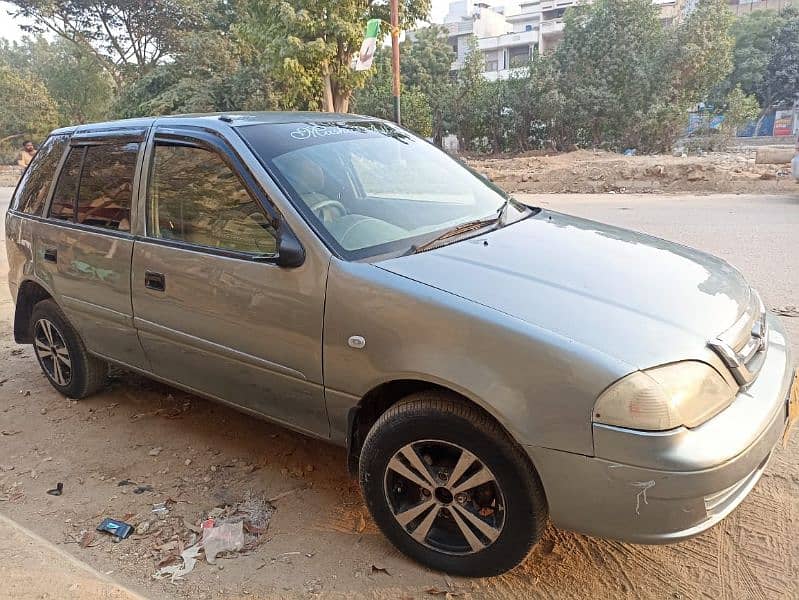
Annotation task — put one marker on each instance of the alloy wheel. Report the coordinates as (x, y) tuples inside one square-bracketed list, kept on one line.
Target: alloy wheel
[(444, 497), (52, 352)]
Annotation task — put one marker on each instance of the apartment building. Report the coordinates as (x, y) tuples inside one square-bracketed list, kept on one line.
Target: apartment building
[(742, 7), (552, 12), (506, 35)]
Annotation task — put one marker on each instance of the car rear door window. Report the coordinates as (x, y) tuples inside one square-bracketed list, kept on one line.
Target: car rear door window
[(66, 190), (32, 190), (106, 185), (195, 197)]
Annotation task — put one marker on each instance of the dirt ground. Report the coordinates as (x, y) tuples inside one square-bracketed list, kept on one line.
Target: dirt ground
[(197, 455), (587, 171)]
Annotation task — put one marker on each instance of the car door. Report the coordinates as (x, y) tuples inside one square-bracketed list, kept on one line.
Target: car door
[(215, 314), (84, 247)]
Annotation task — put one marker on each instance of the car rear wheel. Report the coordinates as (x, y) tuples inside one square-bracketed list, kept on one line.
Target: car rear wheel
[(62, 355), (449, 488)]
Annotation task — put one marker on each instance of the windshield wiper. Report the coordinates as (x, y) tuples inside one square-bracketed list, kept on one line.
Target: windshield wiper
[(456, 231)]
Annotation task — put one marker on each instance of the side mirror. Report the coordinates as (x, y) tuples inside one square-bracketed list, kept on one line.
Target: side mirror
[(290, 252)]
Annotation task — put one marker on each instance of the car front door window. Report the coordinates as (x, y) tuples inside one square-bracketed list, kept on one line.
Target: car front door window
[(195, 197)]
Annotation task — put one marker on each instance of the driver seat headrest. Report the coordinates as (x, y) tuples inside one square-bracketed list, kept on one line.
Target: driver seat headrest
[(306, 176)]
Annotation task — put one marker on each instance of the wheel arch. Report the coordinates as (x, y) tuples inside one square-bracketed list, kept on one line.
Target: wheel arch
[(30, 293), (383, 396)]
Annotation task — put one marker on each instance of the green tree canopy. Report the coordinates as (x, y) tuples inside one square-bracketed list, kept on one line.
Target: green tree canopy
[(82, 90), (780, 83), (376, 98), (311, 45), (128, 38), (612, 62), (28, 110), (213, 72), (754, 34), (425, 66)]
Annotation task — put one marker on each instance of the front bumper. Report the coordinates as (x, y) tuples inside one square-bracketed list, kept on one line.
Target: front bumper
[(662, 487)]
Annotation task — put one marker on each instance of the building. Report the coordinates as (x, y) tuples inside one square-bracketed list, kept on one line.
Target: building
[(552, 12), (742, 7), (506, 41), (508, 34)]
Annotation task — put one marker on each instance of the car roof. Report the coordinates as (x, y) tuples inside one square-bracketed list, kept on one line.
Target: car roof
[(213, 120)]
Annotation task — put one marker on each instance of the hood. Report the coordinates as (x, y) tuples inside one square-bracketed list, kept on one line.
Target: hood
[(638, 298)]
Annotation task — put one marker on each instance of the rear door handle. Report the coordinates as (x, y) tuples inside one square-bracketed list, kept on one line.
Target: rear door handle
[(154, 281), (51, 255)]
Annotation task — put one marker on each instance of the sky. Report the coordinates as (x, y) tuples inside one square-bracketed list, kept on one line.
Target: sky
[(9, 27)]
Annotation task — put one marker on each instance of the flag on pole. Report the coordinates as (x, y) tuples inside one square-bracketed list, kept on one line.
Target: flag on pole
[(369, 46)]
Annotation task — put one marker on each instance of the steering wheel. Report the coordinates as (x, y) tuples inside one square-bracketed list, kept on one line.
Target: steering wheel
[(335, 204)]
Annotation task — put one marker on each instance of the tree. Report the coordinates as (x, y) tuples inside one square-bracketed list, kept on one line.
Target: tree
[(375, 99), (739, 109), (536, 102), (213, 72), (611, 64), (82, 90), (754, 34), (28, 110), (426, 64), (780, 83), (469, 90), (312, 43), (702, 52), (128, 38)]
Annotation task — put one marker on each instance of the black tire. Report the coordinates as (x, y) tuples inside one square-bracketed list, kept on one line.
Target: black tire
[(439, 416), (87, 374)]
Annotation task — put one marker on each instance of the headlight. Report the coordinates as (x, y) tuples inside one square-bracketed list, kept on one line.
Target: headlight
[(685, 393)]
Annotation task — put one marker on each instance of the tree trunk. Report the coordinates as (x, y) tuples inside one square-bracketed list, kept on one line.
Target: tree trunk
[(766, 109), (342, 102), (327, 92)]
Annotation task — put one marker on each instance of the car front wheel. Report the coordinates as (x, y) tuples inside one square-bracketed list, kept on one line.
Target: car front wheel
[(446, 484)]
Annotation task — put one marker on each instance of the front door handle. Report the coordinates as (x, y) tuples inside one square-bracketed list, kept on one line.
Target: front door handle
[(154, 281), (51, 255)]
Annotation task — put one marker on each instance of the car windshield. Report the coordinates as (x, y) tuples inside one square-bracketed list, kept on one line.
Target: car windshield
[(372, 189)]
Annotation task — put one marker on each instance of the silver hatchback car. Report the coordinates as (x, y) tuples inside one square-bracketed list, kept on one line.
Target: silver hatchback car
[(486, 364)]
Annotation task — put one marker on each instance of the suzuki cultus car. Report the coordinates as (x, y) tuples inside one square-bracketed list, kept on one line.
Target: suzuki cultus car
[(488, 365)]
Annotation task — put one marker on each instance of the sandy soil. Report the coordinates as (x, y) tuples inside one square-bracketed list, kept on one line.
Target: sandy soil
[(26, 556), (197, 455), (586, 171)]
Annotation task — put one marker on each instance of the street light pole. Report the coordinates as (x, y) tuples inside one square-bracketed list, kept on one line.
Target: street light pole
[(395, 59)]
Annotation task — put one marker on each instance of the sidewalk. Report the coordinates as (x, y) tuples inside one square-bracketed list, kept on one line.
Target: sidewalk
[(33, 568)]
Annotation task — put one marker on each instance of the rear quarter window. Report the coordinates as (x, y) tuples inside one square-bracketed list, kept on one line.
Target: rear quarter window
[(106, 185), (35, 184), (66, 190)]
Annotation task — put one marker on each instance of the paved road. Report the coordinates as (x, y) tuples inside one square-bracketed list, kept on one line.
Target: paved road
[(319, 540)]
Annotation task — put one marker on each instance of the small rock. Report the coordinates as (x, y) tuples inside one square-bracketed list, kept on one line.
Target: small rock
[(187, 462), (43, 411), (155, 451), (309, 468), (213, 468), (34, 474)]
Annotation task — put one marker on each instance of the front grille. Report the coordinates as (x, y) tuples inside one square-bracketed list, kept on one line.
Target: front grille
[(742, 347)]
